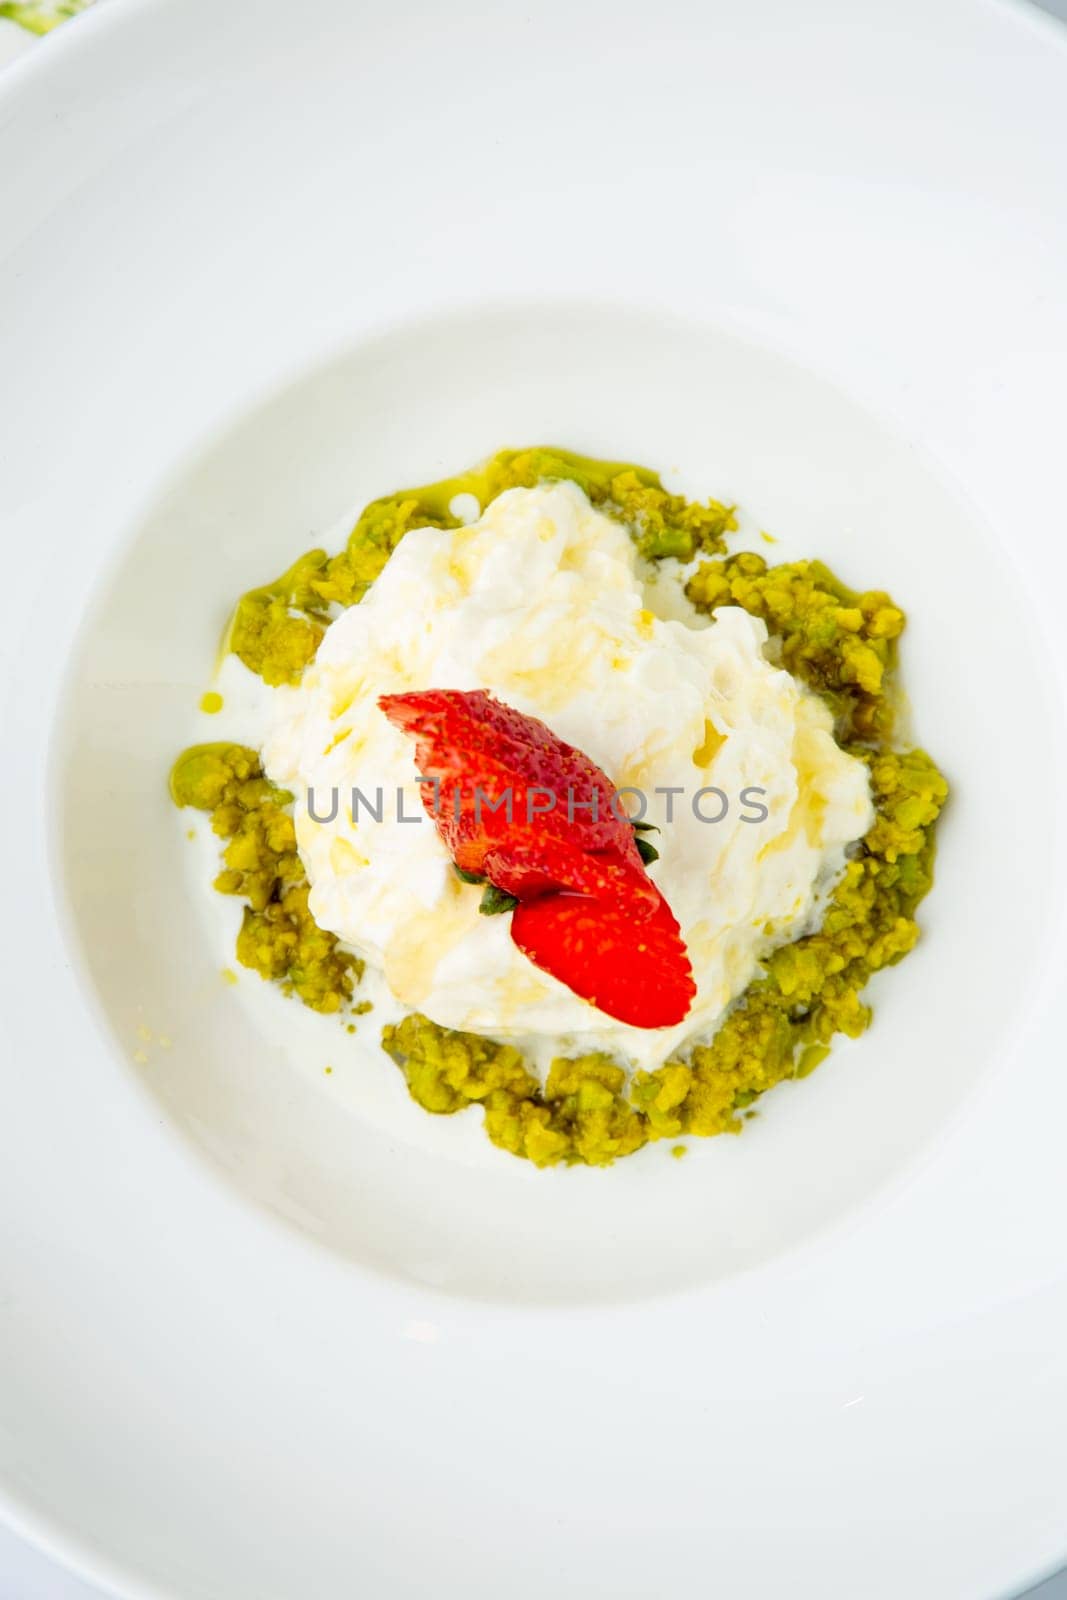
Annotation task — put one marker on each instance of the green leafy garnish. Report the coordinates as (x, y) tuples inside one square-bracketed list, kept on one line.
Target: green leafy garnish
[(647, 851), (494, 901), (41, 16), (467, 877)]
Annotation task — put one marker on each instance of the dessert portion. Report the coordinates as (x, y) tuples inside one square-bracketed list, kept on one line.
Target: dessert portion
[(617, 817)]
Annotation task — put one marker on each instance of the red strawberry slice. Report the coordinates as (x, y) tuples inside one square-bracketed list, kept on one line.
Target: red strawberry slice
[(637, 972), (469, 741), (588, 913), (536, 865)]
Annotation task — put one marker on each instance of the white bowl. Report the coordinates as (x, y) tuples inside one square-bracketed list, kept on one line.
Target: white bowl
[(252, 275)]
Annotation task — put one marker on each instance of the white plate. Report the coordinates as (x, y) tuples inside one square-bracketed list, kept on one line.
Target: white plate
[(252, 272)]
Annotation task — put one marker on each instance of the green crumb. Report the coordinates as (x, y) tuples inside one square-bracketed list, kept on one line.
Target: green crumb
[(679, 1150), (276, 630), (278, 938), (842, 643), (580, 1115), (228, 976), (211, 702), (327, 1070)]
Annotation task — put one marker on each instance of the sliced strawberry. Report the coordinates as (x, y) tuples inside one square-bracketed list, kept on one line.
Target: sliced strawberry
[(469, 740), (516, 805), (528, 866), (475, 813), (638, 972)]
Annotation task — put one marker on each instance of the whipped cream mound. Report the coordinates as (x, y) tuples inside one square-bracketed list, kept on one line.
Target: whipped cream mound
[(542, 601)]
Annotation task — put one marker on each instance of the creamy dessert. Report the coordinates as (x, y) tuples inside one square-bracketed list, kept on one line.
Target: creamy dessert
[(642, 975)]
